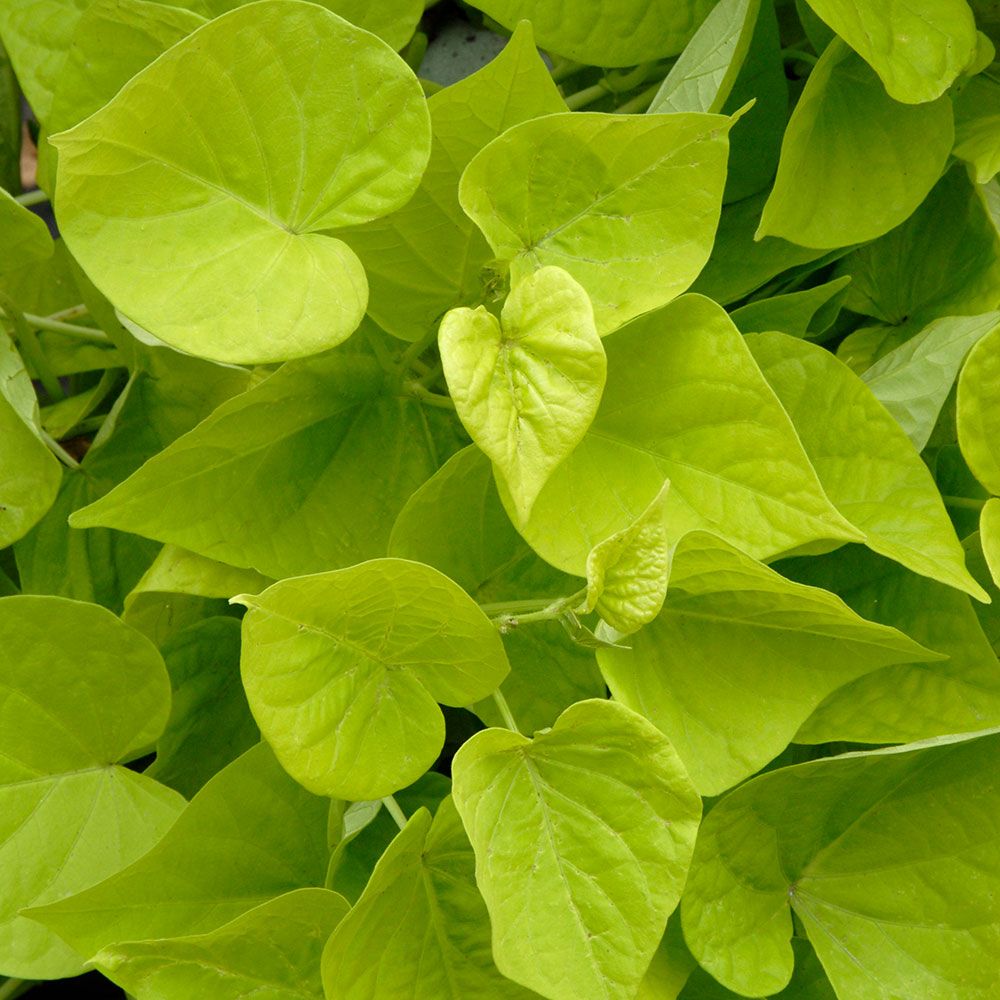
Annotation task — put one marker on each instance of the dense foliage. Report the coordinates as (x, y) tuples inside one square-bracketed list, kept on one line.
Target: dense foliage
[(533, 536)]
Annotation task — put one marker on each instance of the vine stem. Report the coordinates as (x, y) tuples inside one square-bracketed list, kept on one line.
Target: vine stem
[(28, 199), (394, 810), (63, 455), (418, 391), (641, 101), (965, 503), (507, 617), (14, 988), (508, 716), (587, 96), (86, 333), (791, 55)]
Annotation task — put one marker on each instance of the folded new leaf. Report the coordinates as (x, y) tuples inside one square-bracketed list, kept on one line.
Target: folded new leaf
[(526, 386)]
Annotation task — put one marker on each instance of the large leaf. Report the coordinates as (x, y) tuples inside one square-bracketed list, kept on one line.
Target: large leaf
[(989, 530), (582, 838), (562, 189), (420, 928), (979, 411), (589, 31), (889, 859), (839, 180), (428, 256), (910, 701), (912, 381), (344, 670), (80, 693), (739, 657), (26, 237), (684, 401), (943, 261), (205, 220), (303, 472), (526, 386), (916, 50), (456, 523), (706, 70), (977, 125), (864, 460), (271, 951), (249, 835)]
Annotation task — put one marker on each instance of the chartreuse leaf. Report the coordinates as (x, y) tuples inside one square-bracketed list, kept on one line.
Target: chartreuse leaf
[(80, 693), (910, 701), (305, 471), (249, 835), (977, 125), (456, 523), (210, 723), (671, 965), (838, 179), (113, 40), (917, 51), (808, 313), (343, 672), (36, 35), (232, 188), (739, 657), (526, 386), (864, 460), (582, 837), (889, 912), (706, 70), (989, 534), (633, 31), (270, 951), (979, 411), (420, 928), (684, 401), (563, 188), (29, 472), (627, 573), (913, 380), (943, 261), (428, 256), (26, 237)]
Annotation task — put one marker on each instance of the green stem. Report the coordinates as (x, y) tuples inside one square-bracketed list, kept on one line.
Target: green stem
[(563, 68), (506, 714), (416, 390), (59, 451), (965, 503), (381, 353), (73, 312), (86, 333), (800, 55), (30, 198), (503, 608), (15, 987), (510, 617), (394, 811), (431, 375), (32, 351), (586, 96), (641, 101), (417, 348)]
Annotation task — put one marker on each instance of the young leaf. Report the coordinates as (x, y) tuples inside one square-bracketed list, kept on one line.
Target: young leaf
[(456, 523), (582, 838), (526, 386), (627, 573), (684, 401), (631, 32), (272, 950), (222, 172), (979, 411), (916, 51), (739, 657), (305, 471), (913, 380), (561, 189), (428, 256), (706, 70), (420, 927), (911, 701), (210, 723), (81, 692), (895, 503), (249, 835), (839, 180), (989, 532), (344, 670), (833, 841)]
